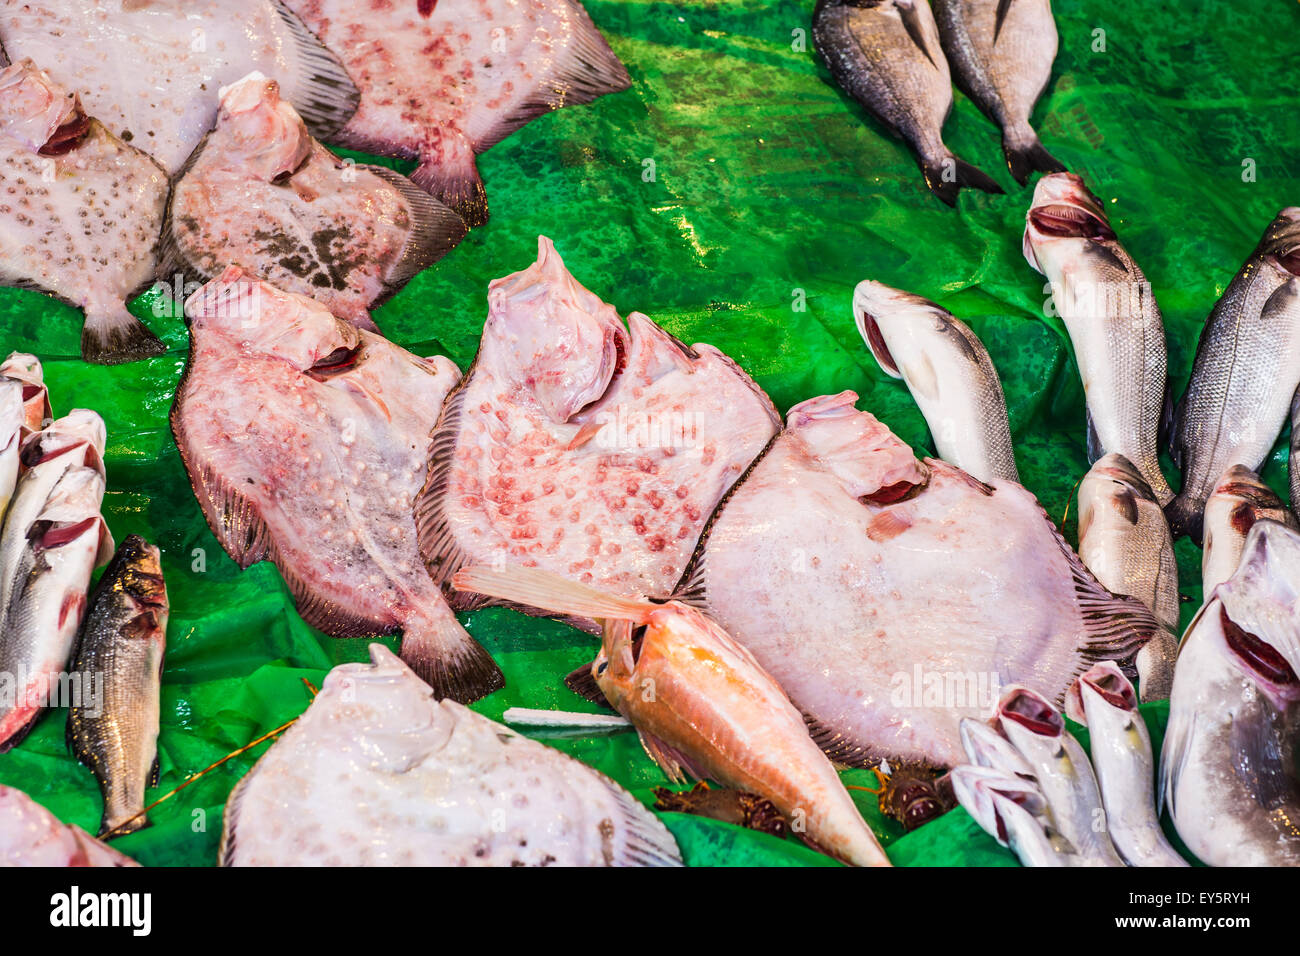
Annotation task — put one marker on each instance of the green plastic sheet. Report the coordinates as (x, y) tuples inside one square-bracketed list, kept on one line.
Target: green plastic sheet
[(736, 196)]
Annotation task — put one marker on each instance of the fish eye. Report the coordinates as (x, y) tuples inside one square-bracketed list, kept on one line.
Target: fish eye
[(601, 669)]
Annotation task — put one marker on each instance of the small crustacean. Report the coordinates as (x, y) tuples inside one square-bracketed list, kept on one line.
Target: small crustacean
[(747, 810), (912, 795)]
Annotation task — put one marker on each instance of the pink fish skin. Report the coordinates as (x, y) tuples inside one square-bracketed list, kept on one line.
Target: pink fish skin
[(444, 82), (32, 836)]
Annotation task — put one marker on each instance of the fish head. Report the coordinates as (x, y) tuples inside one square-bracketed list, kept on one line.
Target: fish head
[(550, 339), (985, 747), (260, 133), (988, 795), (71, 514), (1281, 244), (1063, 209), (887, 318), (1240, 499), (1102, 686), (1112, 490), (27, 369), (867, 459), (1030, 721), (78, 437), (33, 108), (141, 583)]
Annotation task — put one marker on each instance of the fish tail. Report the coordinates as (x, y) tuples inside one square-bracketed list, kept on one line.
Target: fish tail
[(453, 178), (947, 174), (121, 823), (445, 657), (1185, 515), (1025, 153), (114, 336)]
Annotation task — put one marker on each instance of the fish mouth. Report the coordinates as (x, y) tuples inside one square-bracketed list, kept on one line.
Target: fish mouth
[(68, 136), (875, 340), (1258, 656), (1110, 684), (1032, 712), (1064, 208)]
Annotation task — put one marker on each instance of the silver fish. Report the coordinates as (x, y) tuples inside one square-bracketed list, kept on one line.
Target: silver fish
[(985, 747), (36, 398), (1001, 56), (1112, 319), (84, 213), (377, 772), (1245, 375), (1228, 773), (1014, 812), (32, 836), (1293, 458), (1238, 501), (947, 370), (1104, 701), (887, 56), (113, 728)]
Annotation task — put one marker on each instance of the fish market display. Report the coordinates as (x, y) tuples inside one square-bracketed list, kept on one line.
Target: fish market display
[(32, 836), (379, 773), (1245, 375), (305, 439), (261, 194), (113, 729), (1227, 765), (1111, 317), (582, 446), (947, 370), (443, 82), (82, 211), (150, 69), (887, 56), (842, 562), (1238, 501), (1001, 57), (53, 539), (1104, 701), (703, 706)]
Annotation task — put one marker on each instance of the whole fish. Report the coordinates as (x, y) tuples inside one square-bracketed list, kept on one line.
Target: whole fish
[(377, 772), (442, 82), (886, 55), (841, 562), (1246, 372), (1238, 501), (1104, 701), (1014, 812), (947, 370), (1062, 771), (305, 439), (150, 70), (82, 215), (703, 706), (53, 540), (32, 836), (582, 446), (1001, 56), (113, 729), (261, 194), (1228, 773), (1112, 320)]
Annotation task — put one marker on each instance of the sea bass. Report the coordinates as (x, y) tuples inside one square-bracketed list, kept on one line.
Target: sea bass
[(53, 539), (1227, 766), (442, 82), (887, 56), (703, 706), (32, 836), (1014, 812), (305, 440), (150, 69), (82, 212), (114, 730), (947, 370), (261, 194), (1245, 375), (1112, 320), (377, 772), (841, 563), (1001, 57), (1238, 501), (582, 446)]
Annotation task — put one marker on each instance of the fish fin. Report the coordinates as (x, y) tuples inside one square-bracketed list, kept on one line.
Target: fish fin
[(229, 844), (948, 174), (582, 683), (454, 179), (435, 231), (236, 521), (1024, 156), (915, 27), (839, 748), (136, 824), (647, 841), (446, 658), (534, 587), (117, 336), (1175, 750), (1095, 449), (439, 550), (325, 96), (320, 610), (1004, 7), (1186, 517), (172, 258), (677, 767)]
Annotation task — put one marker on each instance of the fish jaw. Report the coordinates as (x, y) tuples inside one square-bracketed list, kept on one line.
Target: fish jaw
[(1062, 208), (263, 134), (32, 106)]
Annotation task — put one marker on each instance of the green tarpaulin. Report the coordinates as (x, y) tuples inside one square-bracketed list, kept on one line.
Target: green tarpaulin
[(735, 196)]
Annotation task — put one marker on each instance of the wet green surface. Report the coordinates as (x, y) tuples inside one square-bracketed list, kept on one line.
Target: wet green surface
[(736, 197)]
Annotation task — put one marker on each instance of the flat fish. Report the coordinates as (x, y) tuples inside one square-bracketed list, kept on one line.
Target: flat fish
[(82, 213), (442, 82), (582, 446), (703, 706), (113, 728), (1001, 56), (377, 772), (949, 373), (887, 56), (1238, 501), (1245, 375), (1112, 319), (32, 836), (150, 70), (261, 194), (305, 439), (841, 563)]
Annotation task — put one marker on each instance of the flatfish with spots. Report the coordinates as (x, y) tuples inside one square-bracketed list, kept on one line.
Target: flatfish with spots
[(305, 439)]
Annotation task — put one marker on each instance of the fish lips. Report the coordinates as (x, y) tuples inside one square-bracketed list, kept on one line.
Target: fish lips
[(1063, 208)]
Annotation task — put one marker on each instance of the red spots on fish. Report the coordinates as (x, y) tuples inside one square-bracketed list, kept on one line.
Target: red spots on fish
[(632, 488), (657, 543), (887, 525), (682, 491), (73, 606), (425, 7), (710, 454), (638, 523)]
